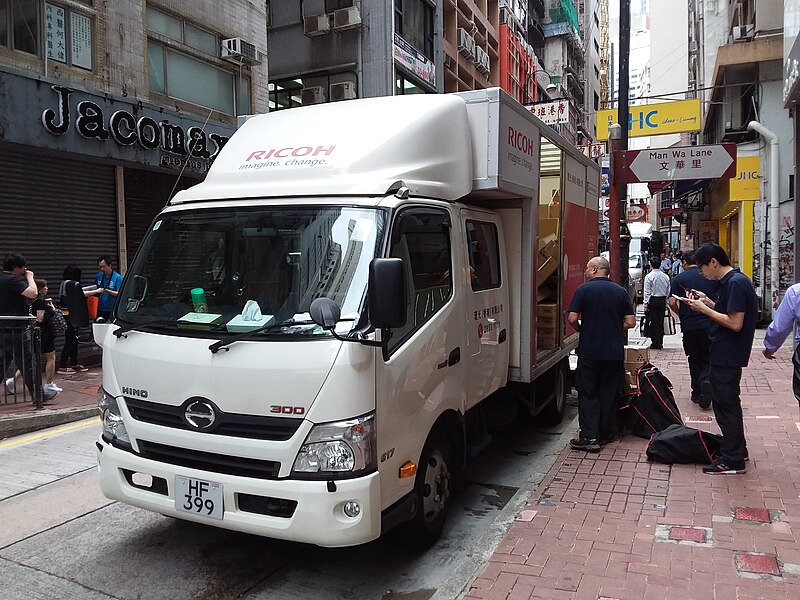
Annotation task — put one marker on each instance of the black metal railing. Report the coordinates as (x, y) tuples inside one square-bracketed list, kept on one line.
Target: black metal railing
[(20, 349)]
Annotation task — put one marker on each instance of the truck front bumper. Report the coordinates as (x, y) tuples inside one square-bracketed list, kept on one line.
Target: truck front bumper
[(303, 511)]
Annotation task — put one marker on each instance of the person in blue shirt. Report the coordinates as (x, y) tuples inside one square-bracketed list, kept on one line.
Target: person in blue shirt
[(694, 326), (786, 317), (108, 283), (600, 310), (733, 326)]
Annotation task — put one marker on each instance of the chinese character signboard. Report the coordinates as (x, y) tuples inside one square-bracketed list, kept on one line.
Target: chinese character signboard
[(81, 41), (594, 150), (747, 185), (653, 119), (552, 113), (413, 60), (709, 231), (638, 213), (55, 32), (679, 163)]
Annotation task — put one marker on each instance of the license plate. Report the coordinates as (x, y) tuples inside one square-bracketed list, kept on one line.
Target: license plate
[(198, 497)]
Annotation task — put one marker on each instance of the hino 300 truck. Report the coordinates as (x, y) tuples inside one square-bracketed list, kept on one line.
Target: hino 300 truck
[(308, 343)]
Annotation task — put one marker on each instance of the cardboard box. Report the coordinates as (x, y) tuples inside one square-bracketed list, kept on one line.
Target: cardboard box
[(547, 227), (547, 310), (548, 262), (637, 354), (550, 211), (631, 386)]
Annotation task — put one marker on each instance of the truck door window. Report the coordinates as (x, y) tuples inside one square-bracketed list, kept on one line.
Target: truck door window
[(421, 237), (484, 255)]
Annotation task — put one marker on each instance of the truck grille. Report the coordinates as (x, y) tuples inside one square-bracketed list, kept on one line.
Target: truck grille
[(230, 424), (208, 461)]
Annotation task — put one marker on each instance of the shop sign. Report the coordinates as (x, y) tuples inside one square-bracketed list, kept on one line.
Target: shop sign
[(709, 231), (747, 184), (413, 60), (638, 213), (127, 130), (594, 150), (552, 113), (653, 119)]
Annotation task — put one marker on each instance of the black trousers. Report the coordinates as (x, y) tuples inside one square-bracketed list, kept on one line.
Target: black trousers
[(796, 377), (69, 353), (598, 383), (695, 346), (728, 412), (656, 307)]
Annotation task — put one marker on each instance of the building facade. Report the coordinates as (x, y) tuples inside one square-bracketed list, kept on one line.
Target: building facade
[(107, 109)]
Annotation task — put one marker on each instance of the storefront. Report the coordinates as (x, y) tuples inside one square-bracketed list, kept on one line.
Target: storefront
[(83, 174)]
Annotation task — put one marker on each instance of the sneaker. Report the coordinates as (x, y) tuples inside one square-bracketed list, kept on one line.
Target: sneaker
[(80, 368), (65, 370), (585, 444), (706, 394), (720, 468), (49, 396), (11, 385), (51, 387)]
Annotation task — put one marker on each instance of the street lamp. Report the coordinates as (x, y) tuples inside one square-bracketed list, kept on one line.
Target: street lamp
[(551, 87)]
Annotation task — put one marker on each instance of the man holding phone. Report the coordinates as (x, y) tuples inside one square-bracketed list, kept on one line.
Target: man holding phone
[(733, 325), (694, 326)]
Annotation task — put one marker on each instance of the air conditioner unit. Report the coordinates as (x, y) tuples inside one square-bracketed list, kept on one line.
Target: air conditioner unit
[(312, 95), (481, 60), (316, 25), (237, 50), (448, 60), (741, 33), (346, 18), (466, 43), (345, 90)]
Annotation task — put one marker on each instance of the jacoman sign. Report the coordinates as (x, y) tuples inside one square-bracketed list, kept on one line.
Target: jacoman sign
[(127, 130)]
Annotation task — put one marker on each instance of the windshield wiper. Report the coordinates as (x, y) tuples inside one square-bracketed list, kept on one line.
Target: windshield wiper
[(121, 331), (221, 344)]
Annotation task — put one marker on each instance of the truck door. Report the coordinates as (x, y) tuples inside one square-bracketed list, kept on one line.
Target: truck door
[(487, 310), (424, 374)]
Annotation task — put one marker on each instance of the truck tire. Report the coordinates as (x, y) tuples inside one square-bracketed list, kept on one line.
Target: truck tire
[(555, 383), (433, 486)]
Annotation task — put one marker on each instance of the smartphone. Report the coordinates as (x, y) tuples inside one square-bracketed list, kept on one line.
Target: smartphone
[(680, 298)]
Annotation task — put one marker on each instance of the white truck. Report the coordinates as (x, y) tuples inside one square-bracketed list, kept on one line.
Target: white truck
[(307, 343)]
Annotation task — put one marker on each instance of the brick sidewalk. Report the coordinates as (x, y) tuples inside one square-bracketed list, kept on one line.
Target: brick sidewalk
[(614, 526)]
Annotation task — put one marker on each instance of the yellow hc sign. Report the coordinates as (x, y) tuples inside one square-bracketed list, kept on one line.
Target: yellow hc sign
[(653, 119)]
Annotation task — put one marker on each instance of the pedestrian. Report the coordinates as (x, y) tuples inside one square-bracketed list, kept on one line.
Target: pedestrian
[(17, 287), (108, 283), (600, 310), (656, 289), (665, 264), (677, 265), (694, 326), (733, 325), (786, 317), (45, 313), (68, 363)]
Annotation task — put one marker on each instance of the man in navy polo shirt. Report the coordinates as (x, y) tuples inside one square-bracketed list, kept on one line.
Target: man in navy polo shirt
[(694, 326), (601, 310), (733, 325)]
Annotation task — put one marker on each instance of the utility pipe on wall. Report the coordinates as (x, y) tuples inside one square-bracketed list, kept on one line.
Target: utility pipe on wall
[(774, 208)]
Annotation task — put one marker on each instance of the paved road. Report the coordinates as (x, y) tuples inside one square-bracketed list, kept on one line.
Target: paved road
[(60, 538)]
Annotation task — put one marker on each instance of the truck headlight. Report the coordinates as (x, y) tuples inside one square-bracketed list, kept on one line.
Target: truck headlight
[(111, 417), (345, 447)]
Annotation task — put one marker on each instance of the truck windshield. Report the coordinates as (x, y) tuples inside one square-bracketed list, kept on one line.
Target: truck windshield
[(233, 270)]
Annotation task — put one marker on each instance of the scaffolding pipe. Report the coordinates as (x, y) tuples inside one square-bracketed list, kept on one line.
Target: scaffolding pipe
[(774, 210)]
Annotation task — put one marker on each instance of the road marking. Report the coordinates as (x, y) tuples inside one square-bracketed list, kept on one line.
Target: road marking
[(48, 433), (767, 417)]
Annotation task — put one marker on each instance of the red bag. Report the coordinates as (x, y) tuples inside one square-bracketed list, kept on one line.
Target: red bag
[(91, 303)]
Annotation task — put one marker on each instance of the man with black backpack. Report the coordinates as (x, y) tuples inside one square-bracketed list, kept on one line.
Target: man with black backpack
[(600, 310), (733, 325)]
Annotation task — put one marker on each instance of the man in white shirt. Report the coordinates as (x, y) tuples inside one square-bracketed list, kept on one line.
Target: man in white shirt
[(656, 290)]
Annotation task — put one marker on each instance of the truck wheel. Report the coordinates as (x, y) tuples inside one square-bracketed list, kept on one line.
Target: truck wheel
[(433, 487), (556, 382)]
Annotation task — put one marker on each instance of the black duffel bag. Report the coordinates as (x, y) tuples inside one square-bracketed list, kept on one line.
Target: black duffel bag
[(652, 408), (679, 444)]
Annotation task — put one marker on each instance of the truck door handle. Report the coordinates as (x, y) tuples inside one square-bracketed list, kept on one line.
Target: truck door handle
[(454, 358)]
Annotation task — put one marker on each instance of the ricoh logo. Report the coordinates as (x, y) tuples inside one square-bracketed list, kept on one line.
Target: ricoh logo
[(126, 391)]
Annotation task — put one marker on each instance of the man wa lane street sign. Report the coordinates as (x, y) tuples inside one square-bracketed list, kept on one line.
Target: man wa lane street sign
[(678, 163)]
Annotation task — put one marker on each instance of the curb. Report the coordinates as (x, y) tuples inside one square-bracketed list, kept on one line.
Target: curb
[(19, 424)]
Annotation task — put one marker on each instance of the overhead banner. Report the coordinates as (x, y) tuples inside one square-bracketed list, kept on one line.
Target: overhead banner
[(653, 119), (747, 184)]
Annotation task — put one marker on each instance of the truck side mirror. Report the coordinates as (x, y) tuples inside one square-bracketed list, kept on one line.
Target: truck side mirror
[(387, 293)]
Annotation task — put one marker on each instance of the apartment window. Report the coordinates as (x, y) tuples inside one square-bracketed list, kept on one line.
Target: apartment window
[(403, 85), (19, 25), (413, 19), (286, 93), (179, 75)]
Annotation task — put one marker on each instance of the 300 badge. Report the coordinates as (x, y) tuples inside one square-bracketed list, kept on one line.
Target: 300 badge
[(287, 410)]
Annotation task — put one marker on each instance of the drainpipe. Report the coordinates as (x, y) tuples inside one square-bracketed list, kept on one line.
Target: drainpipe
[(774, 204)]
